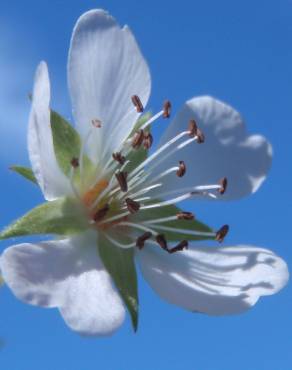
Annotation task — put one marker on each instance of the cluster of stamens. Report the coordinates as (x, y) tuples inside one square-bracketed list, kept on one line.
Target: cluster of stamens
[(118, 195)]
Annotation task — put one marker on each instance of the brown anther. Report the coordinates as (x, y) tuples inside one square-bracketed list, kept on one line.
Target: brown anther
[(193, 128), (75, 162), (138, 104), (182, 169), (148, 140), (140, 242), (101, 213), (223, 182), (200, 136), (122, 180), (138, 139), (221, 233), (132, 205), (119, 157), (185, 216), (96, 123), (162, 241), (195, 131), (166, 109), (180, 247)]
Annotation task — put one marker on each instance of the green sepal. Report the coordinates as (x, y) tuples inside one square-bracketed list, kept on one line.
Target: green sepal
[(120, 265), (67, 142), (166, 211), (137, 156), (26, 172), (63, 216)]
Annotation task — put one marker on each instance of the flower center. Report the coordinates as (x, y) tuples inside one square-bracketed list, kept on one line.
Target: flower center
[(122, 199)]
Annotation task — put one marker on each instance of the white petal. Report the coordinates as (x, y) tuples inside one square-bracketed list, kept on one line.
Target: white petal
[(105, 69), (215, 281), (40, 143), (67, 274), (229, 151)]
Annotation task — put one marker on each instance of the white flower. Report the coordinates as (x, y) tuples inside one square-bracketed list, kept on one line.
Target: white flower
[(109, 83)]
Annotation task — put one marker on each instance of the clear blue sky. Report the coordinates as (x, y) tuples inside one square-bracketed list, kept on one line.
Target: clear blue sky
[(238, 51)]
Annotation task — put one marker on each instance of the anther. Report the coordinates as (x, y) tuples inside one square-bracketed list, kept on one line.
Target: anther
[(195, 131), (140, 242), (132, 205), (119, 157), (148, 140), (137, 103), (75, 162), (182, 169), (122, 180), (96, 123), (193, 128), (162, 241), (185, 216), (180, 247), (200, 136), (166, 109), (223, 182), (101, 213), (221, 233), (138, 139)]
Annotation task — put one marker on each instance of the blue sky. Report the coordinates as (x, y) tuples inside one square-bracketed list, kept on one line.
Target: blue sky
[(239, 52)]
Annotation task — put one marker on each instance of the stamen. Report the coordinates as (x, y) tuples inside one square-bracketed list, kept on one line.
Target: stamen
[(182, 169), (137, 103), (75, 162), (138, 139), (159, 220), (96, 123), (166, 109), (108, 188), (193, 128), (169, 202), (132, 205), (142, 199), (182, 231), (137, 180), (140, 242), (114, 218), (152, 119), (194, 131), (148, 140), (117, 244), (223, 182), (146, 190), (201, 190), (162, 241), (122, 180), (136, 226), (101, 213), (157, 153), (119, 157), (185, 216), (180, 247), (200, 136), (221, 233)]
